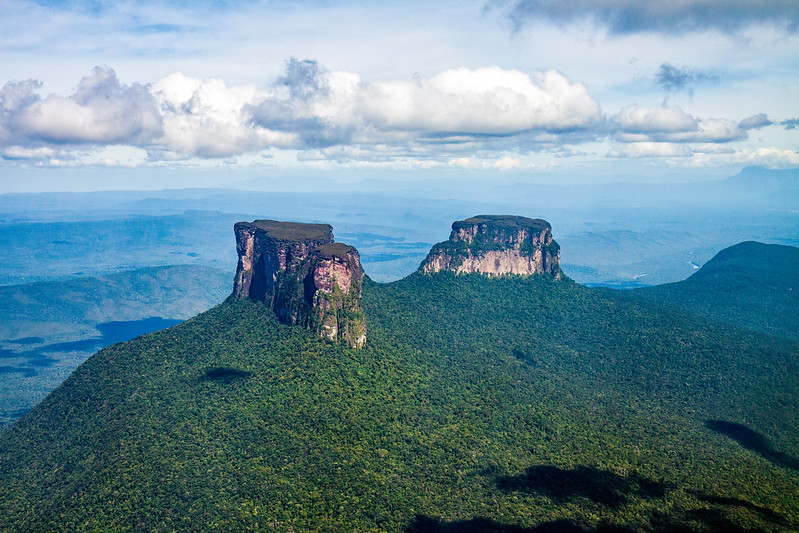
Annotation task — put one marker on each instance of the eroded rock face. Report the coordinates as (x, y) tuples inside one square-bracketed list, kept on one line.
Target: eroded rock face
[(337, 291), (305, 277), (497, 245), (267, 247)]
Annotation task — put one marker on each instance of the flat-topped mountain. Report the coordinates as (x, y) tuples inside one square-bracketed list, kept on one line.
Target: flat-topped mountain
[(497, 245), (266, 247), (306, 277)]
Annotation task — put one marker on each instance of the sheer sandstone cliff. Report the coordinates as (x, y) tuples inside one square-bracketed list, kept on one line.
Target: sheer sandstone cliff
[(305, 277), (497, 245)]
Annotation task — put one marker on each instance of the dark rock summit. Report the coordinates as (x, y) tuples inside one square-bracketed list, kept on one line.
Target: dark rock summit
[(497, 245), (305, 277)]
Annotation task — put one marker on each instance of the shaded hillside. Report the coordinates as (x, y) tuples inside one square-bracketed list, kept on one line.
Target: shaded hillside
[(483, 404), (750, 285), (48, 328)]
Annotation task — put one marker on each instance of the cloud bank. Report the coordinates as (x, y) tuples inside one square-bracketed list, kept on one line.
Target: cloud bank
[(306, 108), (485, 113)]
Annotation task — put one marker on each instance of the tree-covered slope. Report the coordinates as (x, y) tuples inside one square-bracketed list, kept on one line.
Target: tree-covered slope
[(750, 285), (48, 328), (504, 404)]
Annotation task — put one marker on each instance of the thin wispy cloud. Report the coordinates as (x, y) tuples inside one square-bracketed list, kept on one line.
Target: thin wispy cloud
[(755, 122), (674, 79), (790, 124), (635, 16)]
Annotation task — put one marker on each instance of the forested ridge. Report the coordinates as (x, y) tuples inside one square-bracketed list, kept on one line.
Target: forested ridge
[(750, 285), (485, 404)]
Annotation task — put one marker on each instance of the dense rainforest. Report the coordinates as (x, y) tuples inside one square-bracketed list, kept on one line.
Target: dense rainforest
[(477, 404)]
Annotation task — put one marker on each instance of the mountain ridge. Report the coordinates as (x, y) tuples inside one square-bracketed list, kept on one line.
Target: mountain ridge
[(750, 285)]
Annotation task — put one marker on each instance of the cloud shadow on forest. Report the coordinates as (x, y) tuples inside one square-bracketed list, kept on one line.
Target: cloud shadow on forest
[(611, 490), (224, 374), (426, 524), (600, 486), (752, 440)]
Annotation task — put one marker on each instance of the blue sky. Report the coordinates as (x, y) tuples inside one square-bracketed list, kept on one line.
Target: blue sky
[(143, 94)]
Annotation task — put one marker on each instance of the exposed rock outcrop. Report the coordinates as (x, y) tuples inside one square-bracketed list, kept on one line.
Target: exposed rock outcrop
[(497, 245), (305, 277)]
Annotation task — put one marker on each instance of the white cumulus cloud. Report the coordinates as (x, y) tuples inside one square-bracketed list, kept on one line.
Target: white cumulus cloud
[(340, 117), (637, 124), (308, 108), (205, 118), (660, 119), (100, 111), (456, 106), (487, 101)]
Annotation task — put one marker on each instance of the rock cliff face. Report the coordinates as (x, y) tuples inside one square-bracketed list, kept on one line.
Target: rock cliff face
[(496, 245), (305, 277)]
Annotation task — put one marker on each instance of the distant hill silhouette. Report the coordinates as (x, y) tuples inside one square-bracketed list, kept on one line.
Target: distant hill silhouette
[(750, 285)]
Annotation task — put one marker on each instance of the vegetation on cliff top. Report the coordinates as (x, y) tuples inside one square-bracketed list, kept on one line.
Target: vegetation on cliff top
[(335, 249), (504, 222), (499, 234), (478, 403), (290, 231)]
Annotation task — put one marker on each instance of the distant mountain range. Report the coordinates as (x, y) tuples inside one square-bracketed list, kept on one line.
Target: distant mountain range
[(612, 234)]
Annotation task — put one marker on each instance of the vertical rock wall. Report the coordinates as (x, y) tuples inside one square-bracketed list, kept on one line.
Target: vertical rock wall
[(336, 289), (304, 276), (497, 245)]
